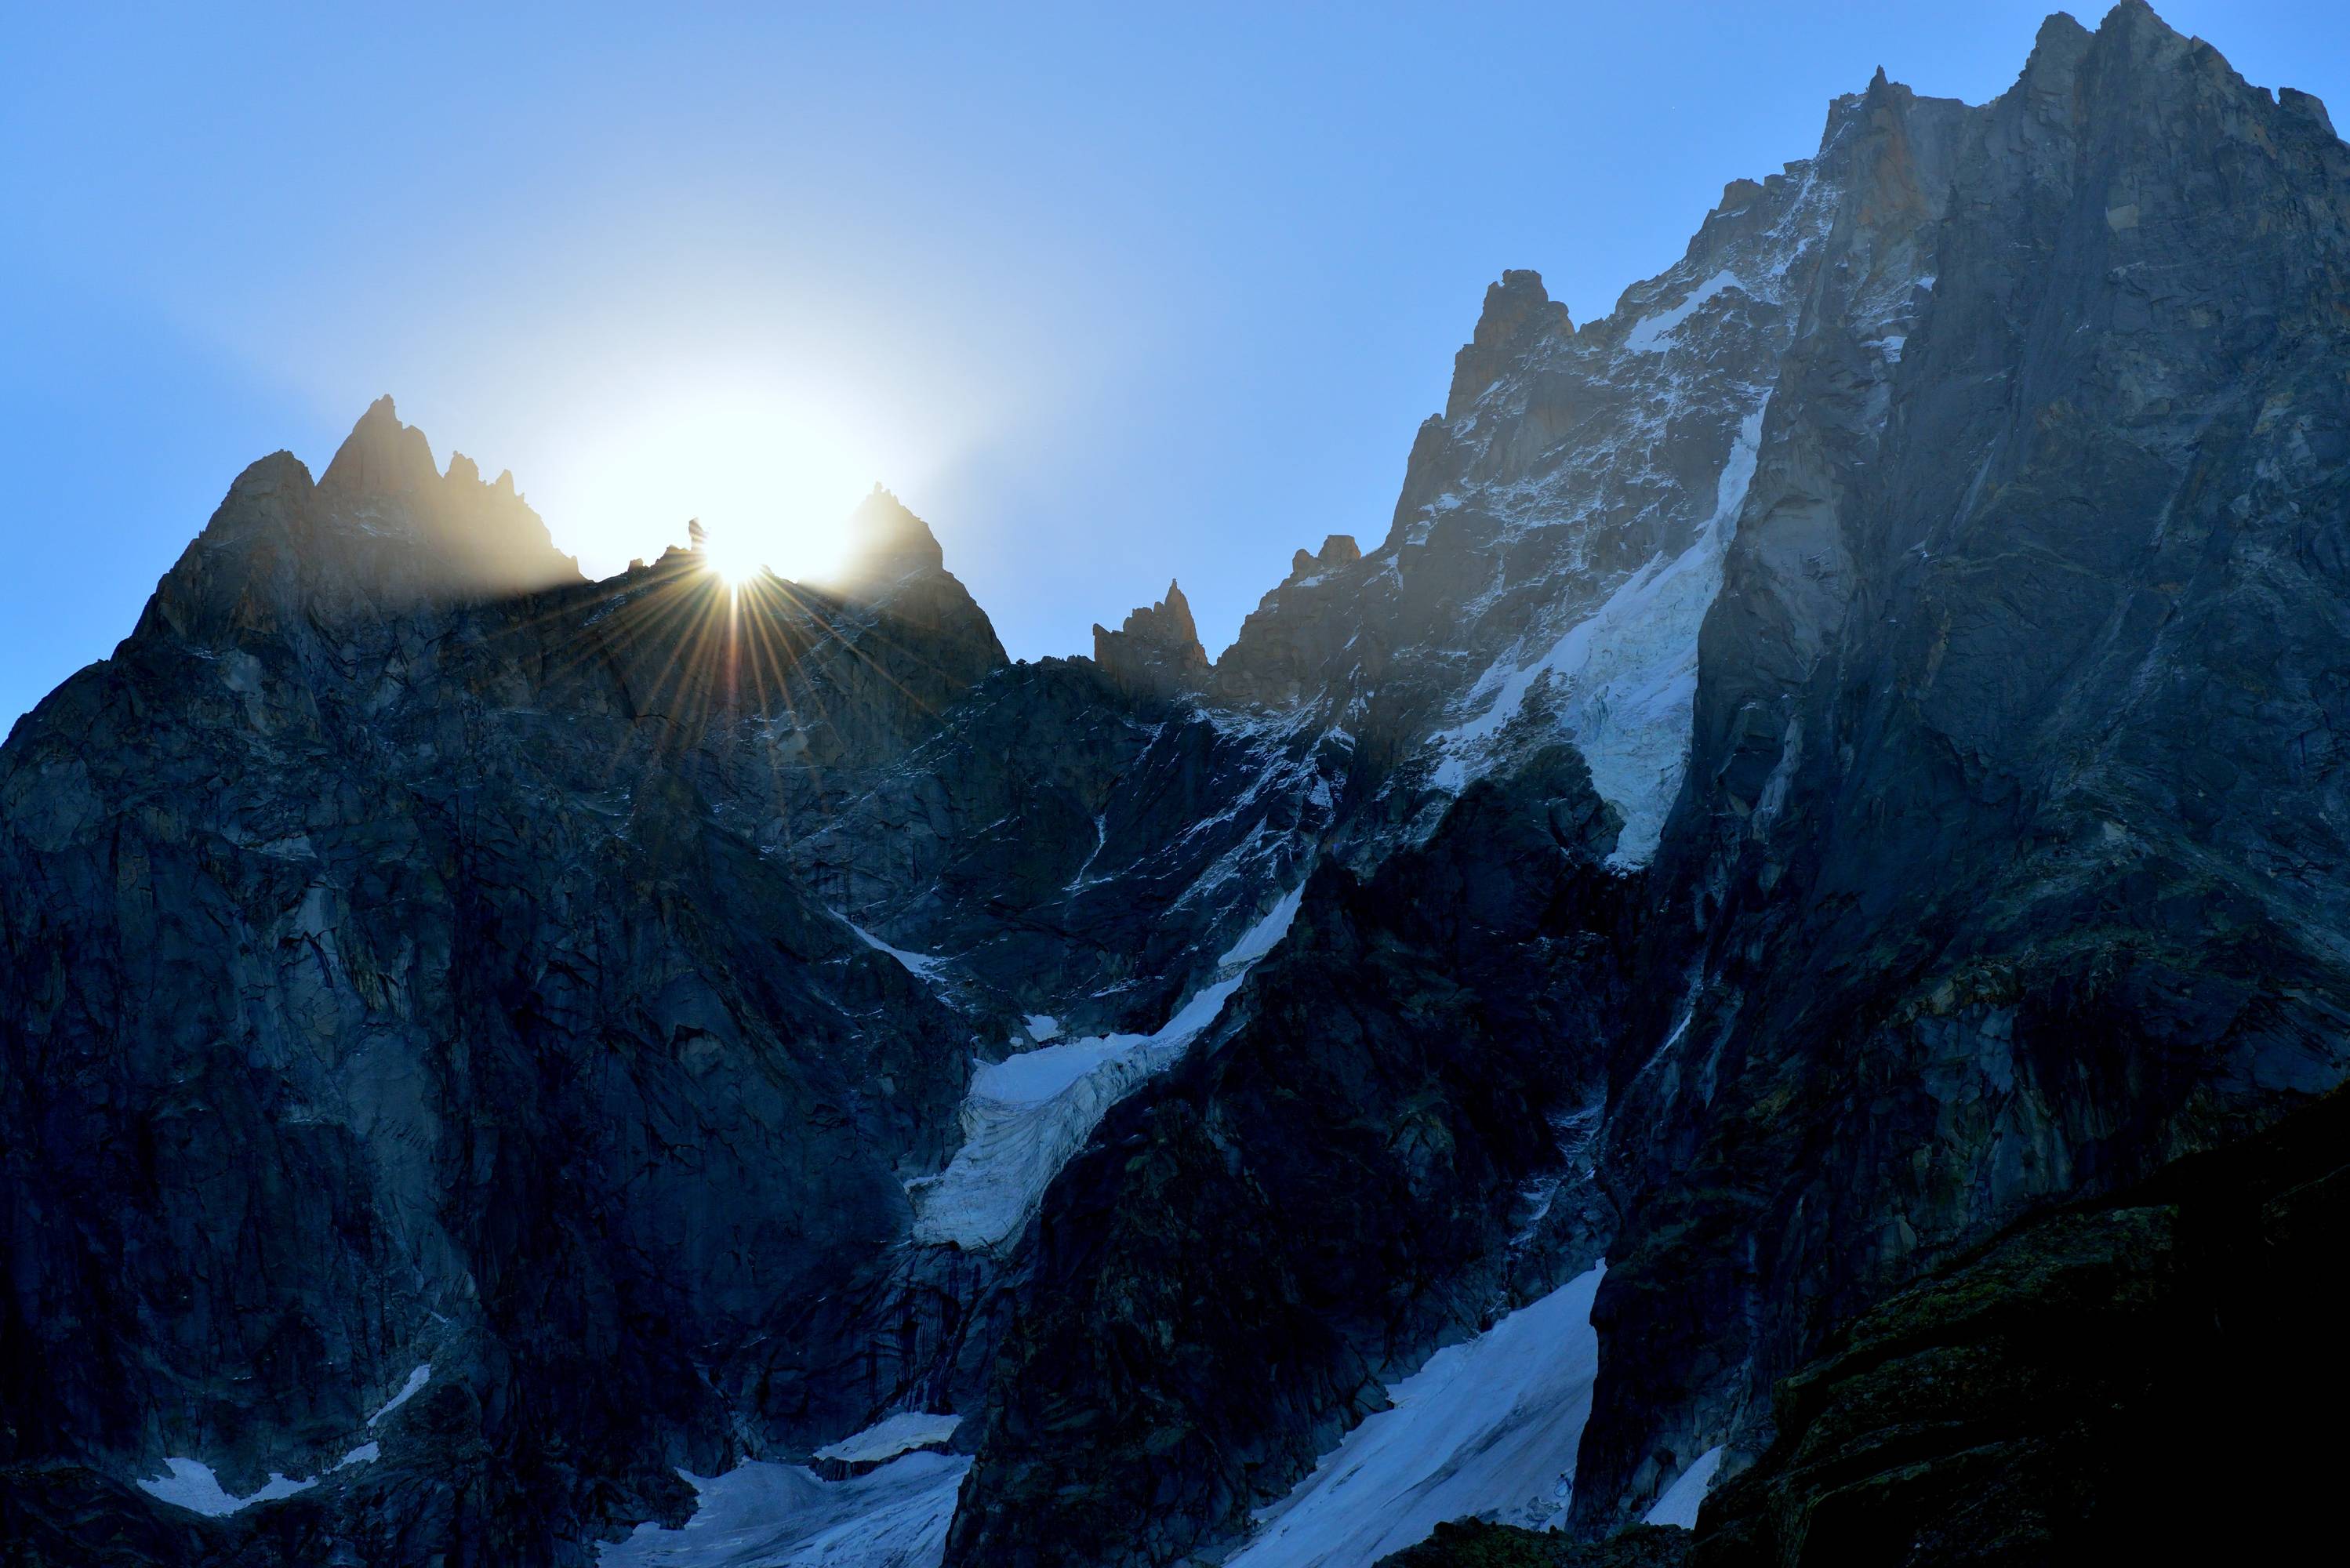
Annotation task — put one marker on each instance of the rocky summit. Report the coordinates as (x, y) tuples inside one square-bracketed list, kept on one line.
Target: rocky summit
[(1766, 980)]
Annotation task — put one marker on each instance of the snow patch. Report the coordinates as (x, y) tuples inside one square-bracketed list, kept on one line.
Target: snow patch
[(1627, 674), (784, 1516), (191, 1484), (416, 1380), (1265, 935), (922, 965), (1649, 334), (1488, 1429), (1043, 1027), (899, 1434), (365, 1454), (1679, 1503), (1024, 1117)]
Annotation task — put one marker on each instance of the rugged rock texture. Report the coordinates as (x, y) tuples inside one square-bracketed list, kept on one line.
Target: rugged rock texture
[(1844, 745), (1077, 851), (393, 977), (2082, 1385), (1157, 652), (1323, 1192), (2015, 840), (1338, 550), (1562, 527)]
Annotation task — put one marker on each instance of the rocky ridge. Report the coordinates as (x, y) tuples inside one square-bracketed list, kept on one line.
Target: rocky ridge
[(1824, 790)]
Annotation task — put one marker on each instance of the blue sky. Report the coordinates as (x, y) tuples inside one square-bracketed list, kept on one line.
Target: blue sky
[(1109, 294)]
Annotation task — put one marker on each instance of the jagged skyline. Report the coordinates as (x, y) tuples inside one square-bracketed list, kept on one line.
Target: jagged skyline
[(1185, 353), (1763, 982)]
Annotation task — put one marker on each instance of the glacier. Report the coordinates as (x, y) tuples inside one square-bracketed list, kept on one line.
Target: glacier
[(1487, 1427), (886, 1439), (763, 1515)]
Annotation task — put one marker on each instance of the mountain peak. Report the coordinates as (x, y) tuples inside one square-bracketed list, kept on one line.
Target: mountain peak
[(470, 536), (1338, 550), (1178, 611), (886, 541), (1517, 310), (2056, 51), (381, 457), (1157, 652)]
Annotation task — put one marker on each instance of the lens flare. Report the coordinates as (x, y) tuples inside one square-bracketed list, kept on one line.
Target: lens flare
[(770, 469), (735, 556)]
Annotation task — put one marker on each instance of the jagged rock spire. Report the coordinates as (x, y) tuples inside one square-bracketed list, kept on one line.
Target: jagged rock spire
[(1157, 652), (383, 527), (1517, 310), (886, 542), (1338, 550), (381, 457)]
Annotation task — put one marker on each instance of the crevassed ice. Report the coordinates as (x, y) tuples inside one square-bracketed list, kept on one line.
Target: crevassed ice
[(895, 1435), (191, 1484), (1024, 1117), (783, 1516), (1679, 1503), (1627, 674), (1486, 1428)]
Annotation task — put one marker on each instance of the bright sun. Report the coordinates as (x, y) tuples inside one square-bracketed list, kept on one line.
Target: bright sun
[(734, 555), (772, 471)]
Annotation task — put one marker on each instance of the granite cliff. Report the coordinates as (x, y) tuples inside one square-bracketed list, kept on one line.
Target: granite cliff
[(1727, 992)]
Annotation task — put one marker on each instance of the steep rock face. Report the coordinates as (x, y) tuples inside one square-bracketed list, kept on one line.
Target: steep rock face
[(1986, 526), (493, 926), (1561, 530), (1157, 652), (1842, 744), (1073, 853), (2014, 843), (1344, 1174), (397, 977)]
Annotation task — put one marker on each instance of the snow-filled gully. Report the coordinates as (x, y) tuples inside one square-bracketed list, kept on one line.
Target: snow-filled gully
[(1627, 674), (1487, 1428), (1024, 1117), (761, 1515)]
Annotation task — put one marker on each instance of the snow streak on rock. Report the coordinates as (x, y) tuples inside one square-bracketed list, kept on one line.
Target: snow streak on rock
[(922, 966), (1679, 1503), (1487, 1428), (191, 1484), (1623, 683), (1025, 1116), (417, 1379), (1597, 483)]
